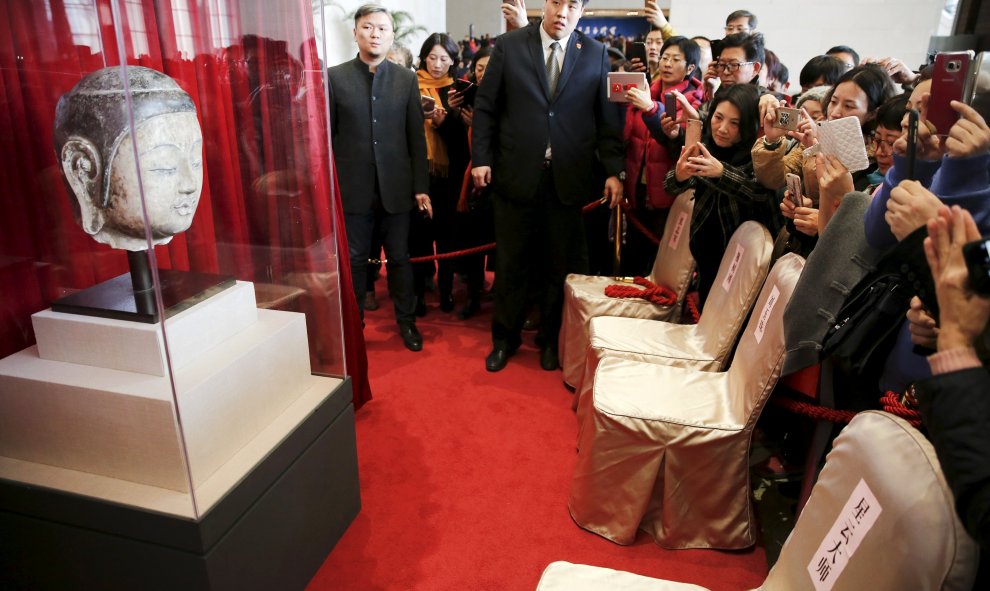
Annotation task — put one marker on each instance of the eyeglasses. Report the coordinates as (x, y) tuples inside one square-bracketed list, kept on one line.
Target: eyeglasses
[(736, 29), (879, 142), (666, 59), (730, 67)]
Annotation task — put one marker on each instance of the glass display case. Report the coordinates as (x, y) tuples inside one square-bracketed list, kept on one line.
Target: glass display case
[(171, 331)]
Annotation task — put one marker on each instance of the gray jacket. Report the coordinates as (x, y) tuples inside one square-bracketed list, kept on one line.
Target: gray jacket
[(839, 261)]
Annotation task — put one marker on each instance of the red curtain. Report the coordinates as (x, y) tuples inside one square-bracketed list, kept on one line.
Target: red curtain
[(268, 211)]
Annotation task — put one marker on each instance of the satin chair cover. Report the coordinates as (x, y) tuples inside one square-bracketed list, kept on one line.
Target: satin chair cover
[(584, 295), (916, 543), (666, 449), (565, 576), (704, 346)]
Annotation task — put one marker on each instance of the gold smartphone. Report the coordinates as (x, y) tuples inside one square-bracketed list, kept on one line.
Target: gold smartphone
[(693, 133)]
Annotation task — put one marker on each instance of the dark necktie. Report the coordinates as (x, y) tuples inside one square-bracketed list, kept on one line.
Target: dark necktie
[(553, 67)]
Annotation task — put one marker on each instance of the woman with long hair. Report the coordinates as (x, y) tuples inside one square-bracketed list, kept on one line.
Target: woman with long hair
[(720, 169), (447, 156)]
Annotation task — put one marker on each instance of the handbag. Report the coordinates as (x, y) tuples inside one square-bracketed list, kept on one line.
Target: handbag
[(867, 324)]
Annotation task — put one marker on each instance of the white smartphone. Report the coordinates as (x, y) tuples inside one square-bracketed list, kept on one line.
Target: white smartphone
[(620, 82)]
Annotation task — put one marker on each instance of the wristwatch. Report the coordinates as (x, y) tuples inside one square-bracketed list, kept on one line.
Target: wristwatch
[(771, 145)]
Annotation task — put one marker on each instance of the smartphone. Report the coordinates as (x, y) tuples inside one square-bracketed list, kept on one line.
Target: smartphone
[(428, 102), (670, 105), (620, 82), (951, 81), (787, 118), (693, 133), (912, 143), (636, 50), (794, 186), (467, 89), (977, 259)]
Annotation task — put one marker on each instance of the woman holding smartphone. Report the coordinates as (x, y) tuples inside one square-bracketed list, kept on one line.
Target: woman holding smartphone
[(648, 148), (720, 169), (474, 215), (447, 156)]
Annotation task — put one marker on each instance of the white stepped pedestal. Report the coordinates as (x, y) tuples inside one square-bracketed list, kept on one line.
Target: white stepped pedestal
[(235, 369)]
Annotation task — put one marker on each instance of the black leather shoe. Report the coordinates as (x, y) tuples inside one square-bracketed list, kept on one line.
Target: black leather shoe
[(411, 337), (548, 358), (472, 307), (370, 301), (446, 303), (498, 358)]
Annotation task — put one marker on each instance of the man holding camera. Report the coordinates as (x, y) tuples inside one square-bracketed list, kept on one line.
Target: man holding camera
[(543, 131), (377, 124)]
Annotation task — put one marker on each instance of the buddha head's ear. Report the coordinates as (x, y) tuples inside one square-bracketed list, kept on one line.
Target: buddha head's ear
[(83, 170)]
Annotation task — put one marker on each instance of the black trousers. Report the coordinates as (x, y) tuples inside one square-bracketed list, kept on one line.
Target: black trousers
[(539, 243), (395, 238)]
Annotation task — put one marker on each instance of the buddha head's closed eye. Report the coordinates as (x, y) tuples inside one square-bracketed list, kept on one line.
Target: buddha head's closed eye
[(96, 148)]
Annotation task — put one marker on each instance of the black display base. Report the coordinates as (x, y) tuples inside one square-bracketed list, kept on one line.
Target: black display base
[(272, 531), (117, 299)]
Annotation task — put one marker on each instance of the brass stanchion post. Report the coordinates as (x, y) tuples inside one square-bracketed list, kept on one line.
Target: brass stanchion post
[(617, 258)]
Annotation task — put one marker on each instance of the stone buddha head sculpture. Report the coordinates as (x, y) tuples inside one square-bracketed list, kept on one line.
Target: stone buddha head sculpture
[(107, 167)]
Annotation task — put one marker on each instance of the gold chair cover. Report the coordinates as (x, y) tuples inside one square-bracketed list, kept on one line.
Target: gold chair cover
[(584, 295), (704, 346), (917, 541), (565, 576), (666, 449)]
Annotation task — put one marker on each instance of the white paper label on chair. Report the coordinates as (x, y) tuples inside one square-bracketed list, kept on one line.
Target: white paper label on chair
[(733, 268), (675, 238), (761, 326), (855, 520)]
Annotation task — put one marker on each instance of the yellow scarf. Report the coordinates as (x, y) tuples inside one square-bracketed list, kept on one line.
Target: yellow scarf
[(436, 150)]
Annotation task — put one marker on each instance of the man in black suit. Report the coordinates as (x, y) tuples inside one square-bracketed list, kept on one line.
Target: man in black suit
[(543, 133), (376, 122)]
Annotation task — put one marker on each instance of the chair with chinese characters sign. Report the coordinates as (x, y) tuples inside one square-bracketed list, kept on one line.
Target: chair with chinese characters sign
[(666, 449), (704, 346), (882, 487), (584, 295)]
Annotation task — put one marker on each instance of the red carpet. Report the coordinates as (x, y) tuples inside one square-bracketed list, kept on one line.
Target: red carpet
[(465, 474)]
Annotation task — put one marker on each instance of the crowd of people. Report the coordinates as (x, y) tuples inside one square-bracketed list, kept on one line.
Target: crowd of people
[(435, 165)]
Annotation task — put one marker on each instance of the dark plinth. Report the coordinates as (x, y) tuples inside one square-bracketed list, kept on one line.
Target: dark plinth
[(272, 531), (117, 299)]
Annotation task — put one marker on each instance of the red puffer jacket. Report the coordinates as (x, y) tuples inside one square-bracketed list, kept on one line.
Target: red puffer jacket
[(640, 142)]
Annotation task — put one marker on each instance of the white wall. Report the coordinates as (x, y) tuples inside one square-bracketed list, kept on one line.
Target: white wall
[(798, 31), (483, 14), (340, 45)]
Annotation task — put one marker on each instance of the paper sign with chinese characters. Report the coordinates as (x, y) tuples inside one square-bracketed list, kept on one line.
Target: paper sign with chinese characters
[(733, 267), (675, 237), (858, 515)]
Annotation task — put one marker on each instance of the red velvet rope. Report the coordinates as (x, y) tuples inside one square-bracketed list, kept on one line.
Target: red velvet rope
[(691, 307), (642, 229), (813, 411), (891, 402), (655, 294), (490, 246)]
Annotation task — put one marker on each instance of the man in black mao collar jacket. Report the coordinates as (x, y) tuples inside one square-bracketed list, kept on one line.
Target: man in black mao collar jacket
[(376, 123)]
